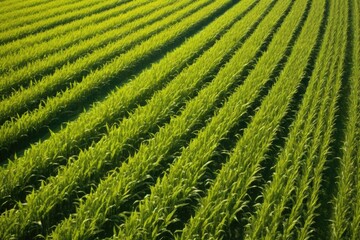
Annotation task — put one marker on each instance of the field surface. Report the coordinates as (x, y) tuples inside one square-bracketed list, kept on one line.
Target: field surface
[(180, 119)]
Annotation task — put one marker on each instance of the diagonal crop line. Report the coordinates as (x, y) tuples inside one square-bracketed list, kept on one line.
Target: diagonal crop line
[(100, 77), (344, 208), (65, 29), (15, 60), (227, 193), (28, 17), (11, 7), (278, 193), (14, 17), (74, 65), (150, 156), (355, 223), (23, 31), (334, 79), (92, 162), (49, 153), (315, 145), (169, 191), (26, 8)]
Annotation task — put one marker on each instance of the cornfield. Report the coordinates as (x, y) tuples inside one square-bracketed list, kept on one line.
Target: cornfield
[(165, 119)]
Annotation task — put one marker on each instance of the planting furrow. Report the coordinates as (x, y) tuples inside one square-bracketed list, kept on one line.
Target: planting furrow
[(15, 6), (296, 224), (27, 98), (150, 156), (28, 16), (58, 31), (18, 59), (227, 195), (355, 223), (347, 185), (174, 190), (12, 13), (165, 119), (278, 193), (89, 125), (91, 164), (325, 128), (310, 215), (22, 31), (116, 41)]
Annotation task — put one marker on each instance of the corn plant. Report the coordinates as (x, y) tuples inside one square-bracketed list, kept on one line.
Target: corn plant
[(85, 8), (17, 59), (57, 31), (89, 123), (227, 195), (91, 81), (92, 162), (116, 42), (345, 220)]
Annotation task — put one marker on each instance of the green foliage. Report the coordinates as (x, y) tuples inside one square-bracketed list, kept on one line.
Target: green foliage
[(201, 119)]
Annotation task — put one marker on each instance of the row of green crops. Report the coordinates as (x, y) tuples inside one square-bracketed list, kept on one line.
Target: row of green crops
[(30, 7), (80, 9), (136, 171), (58, 31), (21, 100), (279, 192), (29, 18), (75, 95), (158, 119), (123, 15), (345, 219), (90, 164), (228, 193), (29, 12), (79, 90)]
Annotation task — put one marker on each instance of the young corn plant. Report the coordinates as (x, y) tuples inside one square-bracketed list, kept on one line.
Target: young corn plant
[(151, 156), (25, 99), (228, 193), (17, 59), (66, 29), (90, 123)]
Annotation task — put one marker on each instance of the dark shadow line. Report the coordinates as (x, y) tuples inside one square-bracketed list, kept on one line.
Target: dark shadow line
[(60, 22), (332, 166), (75, 108)]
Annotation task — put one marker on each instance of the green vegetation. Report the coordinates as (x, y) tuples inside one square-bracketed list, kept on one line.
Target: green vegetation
[(157, 119)]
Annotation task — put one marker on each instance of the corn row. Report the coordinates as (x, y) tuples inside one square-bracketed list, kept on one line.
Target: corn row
[(313, 163), (265, 222), (15, 12), (9, 7), (329, 108), (344, 213), (28, 17), (22, 31), (16, 104), (227, 195), (117, 42), (83, 54), (13, 62), (355, 223), (92, 162), (150, 156), (88, 124), (60, 30), (157, 211)]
